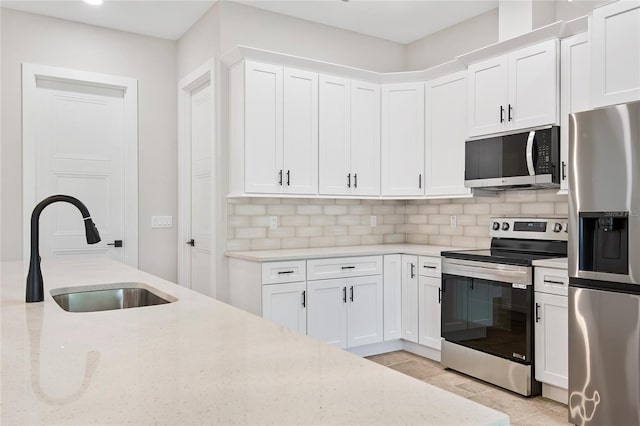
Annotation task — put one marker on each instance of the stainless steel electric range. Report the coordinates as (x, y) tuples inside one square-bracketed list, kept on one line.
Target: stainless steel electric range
[(487, 302)]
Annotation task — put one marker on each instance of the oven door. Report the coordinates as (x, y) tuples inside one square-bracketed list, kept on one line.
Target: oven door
[(488, 315)]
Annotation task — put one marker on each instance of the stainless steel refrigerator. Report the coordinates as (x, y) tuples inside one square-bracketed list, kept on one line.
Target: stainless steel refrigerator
[(604, 266)]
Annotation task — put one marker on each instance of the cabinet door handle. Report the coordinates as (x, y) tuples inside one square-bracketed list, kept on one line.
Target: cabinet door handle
[(348, 267), (554, 282), (501, 114), (349, 180), (351, 290), (413, 270), (537, 312), (420, 180), (285, 272), (509, 113), (439, 295), (355, 180), (304, 298), (288, 177), (429, 267), (280, 177), (344, 294), (564, 170)]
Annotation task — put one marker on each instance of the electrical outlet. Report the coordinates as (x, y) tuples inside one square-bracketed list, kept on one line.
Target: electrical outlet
[(373, 220), (453, 221), (273, 222)]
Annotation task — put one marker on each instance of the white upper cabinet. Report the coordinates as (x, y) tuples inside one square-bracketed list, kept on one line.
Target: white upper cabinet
[(349, 137), (514, 91), (575, 94), (273, 130), (445, 133), (615, 60), (403, 139)]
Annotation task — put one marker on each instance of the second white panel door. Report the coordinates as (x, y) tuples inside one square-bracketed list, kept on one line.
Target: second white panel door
[(300, 132), (429, 312), (327, 311), (285, 304), (364, 311), (402, 139), (487, 96), (410, 296), (365, 138)]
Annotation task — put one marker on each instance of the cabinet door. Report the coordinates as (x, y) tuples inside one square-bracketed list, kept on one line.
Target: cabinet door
[(487, 96), (327, 311), (263, 127), (445, 134), (575, 94), (285, 304), (615, 60), (429, 309), (365, 138), (403, 139), (410, 298), (392, 297), (364, 311), (533, 86), (334, 134), (552, 339), (300, 132)]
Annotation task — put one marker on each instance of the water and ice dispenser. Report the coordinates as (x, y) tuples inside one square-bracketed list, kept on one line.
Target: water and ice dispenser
[(604, 242)]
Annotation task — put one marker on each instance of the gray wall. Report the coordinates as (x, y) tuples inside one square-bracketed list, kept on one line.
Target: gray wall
[(55, 42)]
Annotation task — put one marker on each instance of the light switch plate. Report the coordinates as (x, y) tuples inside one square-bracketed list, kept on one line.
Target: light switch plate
[(161, 221)]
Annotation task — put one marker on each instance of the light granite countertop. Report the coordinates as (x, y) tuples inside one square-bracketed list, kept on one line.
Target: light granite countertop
[(558, 263), (367, 250), (194, 361)]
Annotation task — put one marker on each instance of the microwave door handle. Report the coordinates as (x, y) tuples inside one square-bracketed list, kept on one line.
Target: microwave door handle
[(530, 142)]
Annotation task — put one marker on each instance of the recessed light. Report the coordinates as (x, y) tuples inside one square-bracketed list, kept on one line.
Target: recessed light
[(93, 2)]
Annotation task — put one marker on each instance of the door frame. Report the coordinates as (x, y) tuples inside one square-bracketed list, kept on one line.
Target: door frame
[(33, 72), (201, 75)]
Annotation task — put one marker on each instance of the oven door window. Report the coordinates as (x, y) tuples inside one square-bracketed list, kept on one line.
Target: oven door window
[(489, 316)]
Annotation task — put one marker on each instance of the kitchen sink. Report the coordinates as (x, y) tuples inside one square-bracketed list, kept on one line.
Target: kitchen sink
[(107, 297)]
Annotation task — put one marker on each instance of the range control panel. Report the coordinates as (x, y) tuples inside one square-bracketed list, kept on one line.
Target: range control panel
[(530, 228)]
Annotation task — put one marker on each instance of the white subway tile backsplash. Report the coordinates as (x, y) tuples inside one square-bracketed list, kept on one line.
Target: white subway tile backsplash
[(530, 209), (466, 242), (348, 220), (451, 209), (294, 221), (249, 209), (281, 210), (310, 231), (505, 209), (322, 242), (309, 210), (266, 244), (250, 233), (350, 240), (372, 239), (476, 209), (293, 243), (335, 209)]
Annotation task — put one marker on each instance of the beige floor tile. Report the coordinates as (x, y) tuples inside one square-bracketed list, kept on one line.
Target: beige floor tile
[(392, 358), (417, 369), (543, 418), (515, 406)]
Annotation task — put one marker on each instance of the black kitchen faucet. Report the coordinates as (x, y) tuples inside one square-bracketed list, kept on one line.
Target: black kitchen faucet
[(35, 289)]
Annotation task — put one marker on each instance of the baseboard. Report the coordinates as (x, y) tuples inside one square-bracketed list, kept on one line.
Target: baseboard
[(555, 393), (423, 351), (376, 348)]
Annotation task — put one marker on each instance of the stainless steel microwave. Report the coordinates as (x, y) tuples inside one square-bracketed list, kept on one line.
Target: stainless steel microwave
[(525, 160)]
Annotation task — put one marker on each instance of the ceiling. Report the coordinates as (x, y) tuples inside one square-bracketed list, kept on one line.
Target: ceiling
[(402, 21)]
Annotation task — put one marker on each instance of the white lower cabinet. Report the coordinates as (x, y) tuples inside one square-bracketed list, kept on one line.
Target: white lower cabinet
[(285, 304), (410, 298), (346, 312), (392, 297), (551, 327), (429, 311)]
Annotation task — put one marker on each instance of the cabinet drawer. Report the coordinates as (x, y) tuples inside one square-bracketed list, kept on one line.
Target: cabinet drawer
[(429, 266), (550, 280), (320, 269), (283, 272)]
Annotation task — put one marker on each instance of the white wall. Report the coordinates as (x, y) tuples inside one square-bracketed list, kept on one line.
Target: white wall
[(445, 45), (50, 41)]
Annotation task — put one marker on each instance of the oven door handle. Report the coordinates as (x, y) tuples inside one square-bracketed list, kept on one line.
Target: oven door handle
[(530, 141), (522, 276)]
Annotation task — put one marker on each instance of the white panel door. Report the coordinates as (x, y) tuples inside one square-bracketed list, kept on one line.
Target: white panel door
[(615, 60), (334, 135), (402, 139), (80, 152), (300, 133), (327, 311), (429, 312), (552, 339), (365, 311), (445, 134), (201, 190), (365, 138), (392, 297), (487, 96), (575, 94), (284, 304), (410, 296), (533, 86), (263, 128)]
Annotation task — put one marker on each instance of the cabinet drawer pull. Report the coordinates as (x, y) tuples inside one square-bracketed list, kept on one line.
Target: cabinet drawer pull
[(429, 267), (348, 267), (537, 312), (554, 282), (285, 272), (344, 294), (351, 290)]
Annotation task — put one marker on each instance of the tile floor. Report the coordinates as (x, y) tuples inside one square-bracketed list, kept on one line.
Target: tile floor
[(521, 410)]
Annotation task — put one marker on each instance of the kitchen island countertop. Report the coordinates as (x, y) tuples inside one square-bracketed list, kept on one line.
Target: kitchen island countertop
[(193, 361)]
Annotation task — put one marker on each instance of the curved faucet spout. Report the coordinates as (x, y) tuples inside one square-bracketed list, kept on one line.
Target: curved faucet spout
[(35, 288)]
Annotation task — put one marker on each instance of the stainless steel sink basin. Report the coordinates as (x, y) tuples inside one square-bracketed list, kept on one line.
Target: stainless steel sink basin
[(108, 297)]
